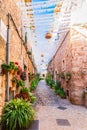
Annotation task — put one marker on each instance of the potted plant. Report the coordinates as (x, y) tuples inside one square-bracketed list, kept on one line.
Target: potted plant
[(21, 83), (6, 68), (12, 66), (15, 70), (17, 115)]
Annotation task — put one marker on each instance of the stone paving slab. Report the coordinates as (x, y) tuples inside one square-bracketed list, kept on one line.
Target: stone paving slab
[(63, 122), (62, 108), (35, 125)]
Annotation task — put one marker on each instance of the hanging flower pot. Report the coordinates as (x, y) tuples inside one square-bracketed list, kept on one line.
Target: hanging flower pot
[(48, 35)]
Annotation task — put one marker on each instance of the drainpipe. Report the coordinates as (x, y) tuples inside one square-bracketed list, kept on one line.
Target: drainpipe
[(8, 56)]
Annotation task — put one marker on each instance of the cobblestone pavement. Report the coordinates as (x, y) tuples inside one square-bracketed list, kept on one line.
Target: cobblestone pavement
[(55, 113)]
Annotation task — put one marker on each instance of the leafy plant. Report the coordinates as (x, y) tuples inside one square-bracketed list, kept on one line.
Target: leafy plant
[(68, 76), (6, 67), (68, 73), (12, 65), (34, 83), (33, 98), (17, 114), (61, 92), (21, 83), (15, 80), (24, 89)]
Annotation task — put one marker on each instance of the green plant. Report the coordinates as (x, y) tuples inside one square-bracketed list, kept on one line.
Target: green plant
[(16, 68), (68, 73), (34, 83), (17, 114), (21, 83), (15, 80), (57, 85), (6, 67), (26, 90), (60, 91), (33, 98), (68, 76), (12, 65)]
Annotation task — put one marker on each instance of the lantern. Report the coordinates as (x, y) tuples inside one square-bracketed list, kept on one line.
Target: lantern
[(48, 35), (28, 0), (60, 4), (31, 15), (42, 55), (42, 61), (57, 10)]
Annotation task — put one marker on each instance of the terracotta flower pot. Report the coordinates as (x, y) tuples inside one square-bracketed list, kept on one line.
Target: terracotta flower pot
[(5, 71), (14, 84), (15, 72)]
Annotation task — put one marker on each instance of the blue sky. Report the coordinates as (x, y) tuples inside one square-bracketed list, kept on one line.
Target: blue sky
[(43, 46)]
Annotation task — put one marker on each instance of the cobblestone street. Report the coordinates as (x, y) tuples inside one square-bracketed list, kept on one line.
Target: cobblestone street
[(55, 113)]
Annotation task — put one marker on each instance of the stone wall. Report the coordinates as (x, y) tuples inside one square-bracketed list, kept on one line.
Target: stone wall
[(18, 52), (72, 56), (79, 66)]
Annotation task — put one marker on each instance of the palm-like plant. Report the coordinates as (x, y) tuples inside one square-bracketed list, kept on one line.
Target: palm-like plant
[(17, 114)]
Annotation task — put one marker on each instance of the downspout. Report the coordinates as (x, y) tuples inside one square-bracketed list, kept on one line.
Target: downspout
[(8, 56)]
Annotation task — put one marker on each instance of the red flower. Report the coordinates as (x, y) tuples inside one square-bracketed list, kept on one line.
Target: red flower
[(16, 63)]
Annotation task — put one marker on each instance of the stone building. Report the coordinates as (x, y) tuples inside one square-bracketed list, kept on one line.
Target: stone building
[(18, 51), (71, 57)]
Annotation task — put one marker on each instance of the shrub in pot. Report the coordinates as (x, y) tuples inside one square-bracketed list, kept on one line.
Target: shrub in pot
[(23, 95), (17, 114), (26, 90)]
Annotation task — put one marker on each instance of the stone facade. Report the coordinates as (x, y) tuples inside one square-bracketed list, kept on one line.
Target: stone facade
[(71, 56), (18, 52)]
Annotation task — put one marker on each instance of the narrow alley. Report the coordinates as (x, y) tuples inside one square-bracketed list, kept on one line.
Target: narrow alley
[(54, 113), (43, 65)]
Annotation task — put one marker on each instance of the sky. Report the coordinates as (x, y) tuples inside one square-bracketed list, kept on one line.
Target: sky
[(44, 20), (43, 46)]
